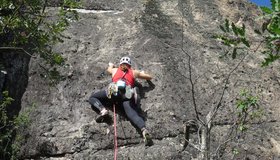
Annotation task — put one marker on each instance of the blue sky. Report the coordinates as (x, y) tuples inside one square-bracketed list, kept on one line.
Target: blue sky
[(262, 2)]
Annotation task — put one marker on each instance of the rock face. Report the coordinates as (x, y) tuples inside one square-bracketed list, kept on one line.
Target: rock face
[(160, 37)]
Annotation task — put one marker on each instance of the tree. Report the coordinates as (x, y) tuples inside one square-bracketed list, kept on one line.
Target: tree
[(247, 105), (235, 38), (27, 26)]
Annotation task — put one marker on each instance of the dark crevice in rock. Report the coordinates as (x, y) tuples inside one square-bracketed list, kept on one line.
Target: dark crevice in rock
[(40, 156), (111, 146), (15, 65), (252, 123), (13, 79), (167, 136)]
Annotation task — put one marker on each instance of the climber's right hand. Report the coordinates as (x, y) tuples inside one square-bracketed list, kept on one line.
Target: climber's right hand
[(111, 64)]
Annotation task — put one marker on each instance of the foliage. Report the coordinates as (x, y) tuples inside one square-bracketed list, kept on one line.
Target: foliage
[(30, 26), (234, 37), (26, 25), (9, 146), (247, 109), (6, 100), (272, 26), (5, 131), (249, 112)]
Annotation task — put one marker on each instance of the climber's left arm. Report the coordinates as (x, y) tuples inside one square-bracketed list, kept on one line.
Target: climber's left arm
[(142, 75)]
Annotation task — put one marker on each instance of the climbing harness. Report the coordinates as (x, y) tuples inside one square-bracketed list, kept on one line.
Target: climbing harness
[(115, 134), (120, 87), (112, 89), (126, 92)]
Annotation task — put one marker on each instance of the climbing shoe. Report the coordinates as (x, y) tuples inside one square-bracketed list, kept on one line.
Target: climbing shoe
[(147, 137), (103, 117)]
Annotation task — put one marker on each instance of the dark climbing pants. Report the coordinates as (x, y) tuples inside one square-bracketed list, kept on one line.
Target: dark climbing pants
[(97, 98)]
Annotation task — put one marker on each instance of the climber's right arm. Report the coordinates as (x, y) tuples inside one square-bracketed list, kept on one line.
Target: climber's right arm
[(111, 69)]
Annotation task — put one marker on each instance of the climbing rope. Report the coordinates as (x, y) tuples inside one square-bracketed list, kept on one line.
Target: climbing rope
[(115, 134)]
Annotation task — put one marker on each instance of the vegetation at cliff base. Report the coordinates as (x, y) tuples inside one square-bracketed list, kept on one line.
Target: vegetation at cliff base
[(28, 26)]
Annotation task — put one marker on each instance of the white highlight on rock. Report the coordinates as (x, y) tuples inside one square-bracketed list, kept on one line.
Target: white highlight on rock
[(97, 11), (4, 72)]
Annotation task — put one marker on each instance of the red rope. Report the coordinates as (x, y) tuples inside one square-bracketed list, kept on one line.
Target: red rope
[(115, 134)]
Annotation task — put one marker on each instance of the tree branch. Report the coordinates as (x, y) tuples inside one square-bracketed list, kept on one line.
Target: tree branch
[(190, 77), (215, 109), (17, 48)]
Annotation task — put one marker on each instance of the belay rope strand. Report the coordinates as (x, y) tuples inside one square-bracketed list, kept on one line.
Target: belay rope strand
[(115, 134), (115, 129)]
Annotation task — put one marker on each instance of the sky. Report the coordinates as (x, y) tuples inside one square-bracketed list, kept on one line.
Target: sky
[(262, 2)]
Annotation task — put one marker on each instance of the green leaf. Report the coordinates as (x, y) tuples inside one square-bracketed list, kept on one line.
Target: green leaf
[(264, 26), (274, 26), (227, 25), (234, 28), (242, 30), (245, 42), (268, 60), (275, 4), (242, 127), (234, 53), (222, 28), (58, 59), (235, 151), (228, 42), (216, 37), (266, 10)]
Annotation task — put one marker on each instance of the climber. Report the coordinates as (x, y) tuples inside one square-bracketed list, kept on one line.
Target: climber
[(122, 90)]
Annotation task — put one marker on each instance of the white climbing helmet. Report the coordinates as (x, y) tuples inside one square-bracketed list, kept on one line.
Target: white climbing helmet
[(125, 60)]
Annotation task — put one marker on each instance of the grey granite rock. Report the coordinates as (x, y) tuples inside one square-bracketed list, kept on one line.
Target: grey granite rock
[(158, 35)]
